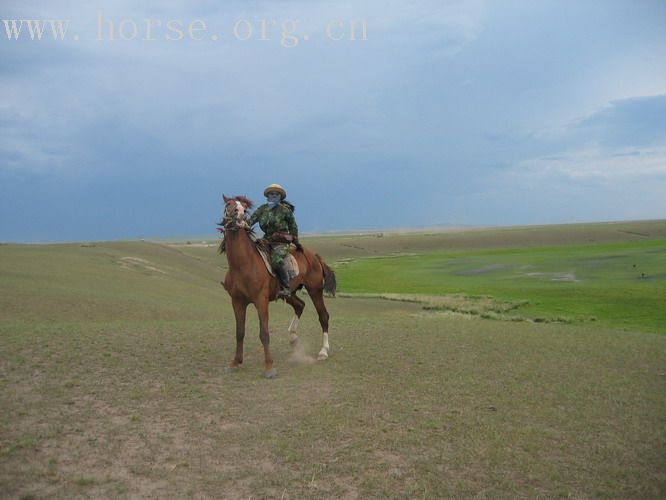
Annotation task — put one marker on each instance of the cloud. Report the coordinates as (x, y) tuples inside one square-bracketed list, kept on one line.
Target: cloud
[(100, 96), (608, 165), (633, 122), (622, 143), (603, 166)]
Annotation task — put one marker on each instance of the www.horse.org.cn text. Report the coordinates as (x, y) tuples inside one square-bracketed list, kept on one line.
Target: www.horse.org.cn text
[(288, 33)]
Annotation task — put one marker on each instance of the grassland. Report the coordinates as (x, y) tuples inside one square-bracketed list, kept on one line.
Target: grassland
[(618, 284), (112, 381)]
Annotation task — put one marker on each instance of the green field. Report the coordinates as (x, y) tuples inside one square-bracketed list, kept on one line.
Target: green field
[(618, 284), (112, 379)]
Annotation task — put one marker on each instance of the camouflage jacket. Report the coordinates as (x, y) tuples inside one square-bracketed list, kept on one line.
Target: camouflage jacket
[(279, 219)]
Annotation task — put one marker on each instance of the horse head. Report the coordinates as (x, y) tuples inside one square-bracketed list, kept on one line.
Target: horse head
[(235, 210)]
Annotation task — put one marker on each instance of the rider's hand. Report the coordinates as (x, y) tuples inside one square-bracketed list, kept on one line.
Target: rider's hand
[(299, 247)]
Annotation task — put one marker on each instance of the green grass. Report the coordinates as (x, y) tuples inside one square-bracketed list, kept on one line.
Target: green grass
[(618, 284), (112, 380)]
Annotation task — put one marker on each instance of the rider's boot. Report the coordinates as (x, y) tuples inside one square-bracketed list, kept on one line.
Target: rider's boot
[(283, 292)]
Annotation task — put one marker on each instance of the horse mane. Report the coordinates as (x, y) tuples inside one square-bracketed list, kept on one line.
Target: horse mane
[(244, 200)]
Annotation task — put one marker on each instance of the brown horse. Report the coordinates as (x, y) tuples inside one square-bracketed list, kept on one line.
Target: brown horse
[(249, 282)]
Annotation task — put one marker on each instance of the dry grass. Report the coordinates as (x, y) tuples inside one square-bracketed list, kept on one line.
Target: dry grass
[(483, 306), (410, 404)]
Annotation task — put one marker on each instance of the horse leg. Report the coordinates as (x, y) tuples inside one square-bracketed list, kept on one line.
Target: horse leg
[(317, 297), (240, 308), (298, 306), (264, 335)]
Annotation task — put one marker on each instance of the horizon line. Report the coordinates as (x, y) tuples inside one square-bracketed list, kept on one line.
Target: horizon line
[(443, 228)]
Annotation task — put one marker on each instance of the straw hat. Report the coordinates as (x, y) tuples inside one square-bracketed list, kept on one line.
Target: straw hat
[(275, 187)]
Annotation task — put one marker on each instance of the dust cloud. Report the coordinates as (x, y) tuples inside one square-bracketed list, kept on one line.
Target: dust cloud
[(298, 355)]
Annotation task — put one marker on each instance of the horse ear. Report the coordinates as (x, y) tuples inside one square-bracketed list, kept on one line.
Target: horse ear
[(245, 201), (224, 197)]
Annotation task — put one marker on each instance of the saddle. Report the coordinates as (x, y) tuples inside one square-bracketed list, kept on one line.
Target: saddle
[(290, 264)]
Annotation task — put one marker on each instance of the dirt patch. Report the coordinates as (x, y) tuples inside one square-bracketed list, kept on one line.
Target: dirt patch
[(468, 304), (396, 465), (554, 276), (481, 270), (203, 244), (564, 277), (136, 263)]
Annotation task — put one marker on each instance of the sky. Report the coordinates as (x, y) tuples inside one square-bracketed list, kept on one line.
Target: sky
[(371, 114)]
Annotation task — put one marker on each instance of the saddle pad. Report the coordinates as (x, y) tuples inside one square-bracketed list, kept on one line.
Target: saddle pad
[(290, 264)]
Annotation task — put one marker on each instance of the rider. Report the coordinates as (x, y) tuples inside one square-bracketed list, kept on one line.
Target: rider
[(277, 221)]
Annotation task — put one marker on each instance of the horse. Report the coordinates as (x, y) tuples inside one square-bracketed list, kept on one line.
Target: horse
[(248, 282)]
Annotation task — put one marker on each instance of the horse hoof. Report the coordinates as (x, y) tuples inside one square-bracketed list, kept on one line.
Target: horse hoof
[(232, 369), (322, 356), (271, 374), (293, 339)]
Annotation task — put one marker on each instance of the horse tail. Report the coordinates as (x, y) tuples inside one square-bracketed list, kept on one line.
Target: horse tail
[(330, 283)]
